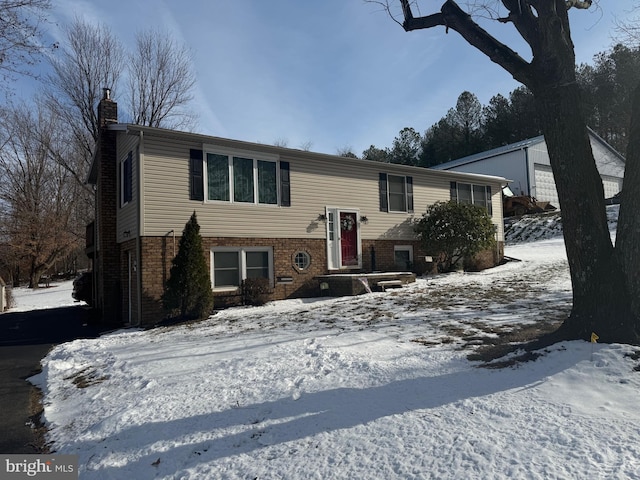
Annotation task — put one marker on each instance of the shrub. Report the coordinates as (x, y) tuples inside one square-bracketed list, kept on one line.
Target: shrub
[(255, 291), (188, 289), (452, 232)]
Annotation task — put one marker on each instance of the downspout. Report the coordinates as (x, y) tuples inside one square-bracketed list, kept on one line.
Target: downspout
[(140, 229), (527, 167)]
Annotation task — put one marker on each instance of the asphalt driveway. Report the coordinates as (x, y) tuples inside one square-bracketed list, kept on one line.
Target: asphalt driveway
[(25, 338)]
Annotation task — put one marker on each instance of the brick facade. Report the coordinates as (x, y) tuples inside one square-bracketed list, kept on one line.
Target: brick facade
[(288, 281)]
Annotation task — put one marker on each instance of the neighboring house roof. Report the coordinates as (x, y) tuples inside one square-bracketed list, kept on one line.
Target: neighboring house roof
[(521, 145)]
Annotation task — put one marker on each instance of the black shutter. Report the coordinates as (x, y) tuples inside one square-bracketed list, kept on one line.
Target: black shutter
[(409, 194), (489, 201), (285, 185), (384, 199), (454, 191), (128, 178), (196, 178)]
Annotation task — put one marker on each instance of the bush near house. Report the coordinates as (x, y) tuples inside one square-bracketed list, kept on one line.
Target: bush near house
[(188, 289), (255, 291), (453, 232)]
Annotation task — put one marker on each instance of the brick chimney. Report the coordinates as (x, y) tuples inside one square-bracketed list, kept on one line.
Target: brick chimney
[(108, 254), (107, 109)]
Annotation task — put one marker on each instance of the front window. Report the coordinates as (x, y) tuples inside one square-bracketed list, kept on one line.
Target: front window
[(267, 182), (472, 194), (218, 177), (230, 265), (241, 179), (397, 194)]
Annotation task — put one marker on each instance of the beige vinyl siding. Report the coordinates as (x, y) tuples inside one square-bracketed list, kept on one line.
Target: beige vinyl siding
[(317, 181), (127, 216)]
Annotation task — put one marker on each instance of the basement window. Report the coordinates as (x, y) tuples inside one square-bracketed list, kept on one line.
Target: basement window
[(301, 260), (231, 265)]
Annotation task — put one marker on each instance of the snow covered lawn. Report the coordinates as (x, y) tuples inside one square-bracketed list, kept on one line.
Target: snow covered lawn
[(376, 386)]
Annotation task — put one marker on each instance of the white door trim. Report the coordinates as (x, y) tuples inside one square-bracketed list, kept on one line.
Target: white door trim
[(334, 246)]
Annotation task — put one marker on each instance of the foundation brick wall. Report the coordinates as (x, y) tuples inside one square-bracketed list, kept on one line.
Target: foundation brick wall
[(385, 256), (157, 254)]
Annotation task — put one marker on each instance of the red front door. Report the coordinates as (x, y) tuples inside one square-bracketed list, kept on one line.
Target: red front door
[(349, 239)]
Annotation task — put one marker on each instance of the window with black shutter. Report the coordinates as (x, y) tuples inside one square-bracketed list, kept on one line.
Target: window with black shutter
[(126, 180), (384, 198), (285, 184), (196, 185)]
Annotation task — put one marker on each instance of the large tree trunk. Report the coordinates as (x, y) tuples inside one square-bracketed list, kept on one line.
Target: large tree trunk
[(605, 281), (601, 301), (628, 235)]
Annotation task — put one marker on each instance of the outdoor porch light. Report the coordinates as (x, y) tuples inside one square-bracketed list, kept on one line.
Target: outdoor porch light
[(322, 217)]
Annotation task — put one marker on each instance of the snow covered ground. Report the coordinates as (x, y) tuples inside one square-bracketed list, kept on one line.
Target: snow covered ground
[(375, 386), (57, 295)]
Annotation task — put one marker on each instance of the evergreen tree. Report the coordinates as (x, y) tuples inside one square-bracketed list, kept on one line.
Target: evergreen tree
[(406, 147), (376, 154), (189, 286)]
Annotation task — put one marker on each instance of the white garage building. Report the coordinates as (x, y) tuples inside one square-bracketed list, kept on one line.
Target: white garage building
[(527, 164)]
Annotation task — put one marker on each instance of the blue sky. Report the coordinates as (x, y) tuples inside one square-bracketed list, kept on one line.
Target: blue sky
[(329, 73)]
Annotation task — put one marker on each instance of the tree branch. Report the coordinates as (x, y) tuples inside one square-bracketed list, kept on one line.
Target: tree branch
[(581, 4), (452, 16)]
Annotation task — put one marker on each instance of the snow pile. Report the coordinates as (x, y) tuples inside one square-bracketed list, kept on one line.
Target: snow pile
[(543, 226)]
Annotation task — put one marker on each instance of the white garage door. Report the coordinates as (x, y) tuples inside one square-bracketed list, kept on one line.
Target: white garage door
[(612, 185), (545, 186)]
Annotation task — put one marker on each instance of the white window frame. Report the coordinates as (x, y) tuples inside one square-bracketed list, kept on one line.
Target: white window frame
[(405, 195), (255, 157), (488, 200), (242, 264), (307, 257), (403, 248)]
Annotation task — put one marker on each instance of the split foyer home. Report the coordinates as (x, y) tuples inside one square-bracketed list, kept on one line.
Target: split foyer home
[(289, 216), (527, 165)]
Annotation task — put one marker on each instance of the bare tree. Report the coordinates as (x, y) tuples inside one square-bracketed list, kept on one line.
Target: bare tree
[(90, 59), (161, 81), (346, 151), (20, 45), (37, 193), (604, 279)]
